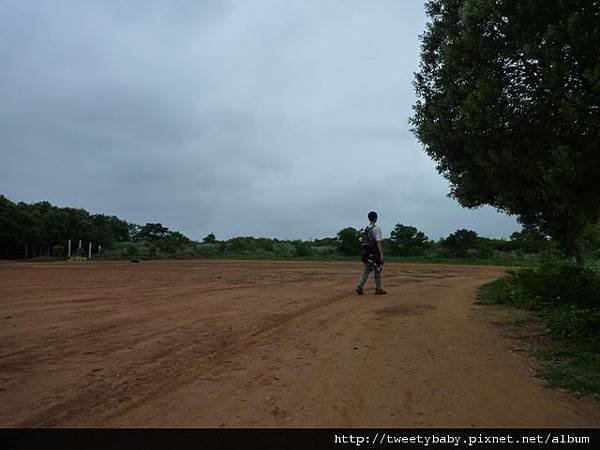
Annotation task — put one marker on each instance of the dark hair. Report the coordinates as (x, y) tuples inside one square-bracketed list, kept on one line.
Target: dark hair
[(372, 216)]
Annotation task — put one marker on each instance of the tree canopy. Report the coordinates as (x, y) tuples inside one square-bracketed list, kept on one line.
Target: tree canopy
[(460, 242), (41, 229), (509, 108), (349, 241), (407, 240)]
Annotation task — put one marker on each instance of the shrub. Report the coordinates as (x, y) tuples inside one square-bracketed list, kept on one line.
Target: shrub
[(58, 250), (594, 266), (472, 253), (302, 248), (186, 251), (567, 300), (324, 250), (567, 296), (241, 244), (152, 251), (431, 254), (573, 321), (284, 249), (261, 253), (206, 249), (555, 283), (132, 250)]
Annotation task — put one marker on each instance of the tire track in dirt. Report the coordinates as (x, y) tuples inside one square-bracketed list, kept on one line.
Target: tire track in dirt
[(242, 343), (288, 345), (221, 350)]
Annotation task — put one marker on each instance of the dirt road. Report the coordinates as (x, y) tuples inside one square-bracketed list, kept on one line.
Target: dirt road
[(240, 343)]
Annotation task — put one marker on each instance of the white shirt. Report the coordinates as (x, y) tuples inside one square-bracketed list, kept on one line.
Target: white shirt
[(377, 233)]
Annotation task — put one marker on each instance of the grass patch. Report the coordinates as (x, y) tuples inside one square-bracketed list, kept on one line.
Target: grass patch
[(574, 367), (493, 293), (558, 296)]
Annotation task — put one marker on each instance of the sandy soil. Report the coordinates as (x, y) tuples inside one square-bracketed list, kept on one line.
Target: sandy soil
[(243, 343)]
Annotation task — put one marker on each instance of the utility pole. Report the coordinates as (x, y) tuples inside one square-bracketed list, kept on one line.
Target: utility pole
[(89, 250), (69, 252)]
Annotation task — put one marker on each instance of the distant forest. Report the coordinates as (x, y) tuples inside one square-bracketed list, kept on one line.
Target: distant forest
[(42, 230)]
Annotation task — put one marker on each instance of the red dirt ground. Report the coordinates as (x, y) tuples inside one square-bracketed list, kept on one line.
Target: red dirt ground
[(247, 343)]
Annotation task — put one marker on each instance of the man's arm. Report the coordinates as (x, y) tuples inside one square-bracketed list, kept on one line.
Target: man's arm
[(380, 247)]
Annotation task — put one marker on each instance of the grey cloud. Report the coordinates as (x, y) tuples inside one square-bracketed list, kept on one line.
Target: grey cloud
[(283, 119)]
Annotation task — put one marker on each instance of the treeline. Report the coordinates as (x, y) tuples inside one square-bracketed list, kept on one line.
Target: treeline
[(157, 241), (43, 230), (407, 240)]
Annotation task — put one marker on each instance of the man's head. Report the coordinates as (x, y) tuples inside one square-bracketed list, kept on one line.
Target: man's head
[(372, 216)]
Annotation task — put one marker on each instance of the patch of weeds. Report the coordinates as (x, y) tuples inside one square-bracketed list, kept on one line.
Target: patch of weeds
[(564, 299), (493, 293), (572, 366)]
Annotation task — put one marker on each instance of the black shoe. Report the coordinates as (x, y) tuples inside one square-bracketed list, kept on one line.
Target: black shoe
[(359, 290), (380, 292)]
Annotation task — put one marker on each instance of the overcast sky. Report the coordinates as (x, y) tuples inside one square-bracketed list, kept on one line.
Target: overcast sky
[(276, 118)]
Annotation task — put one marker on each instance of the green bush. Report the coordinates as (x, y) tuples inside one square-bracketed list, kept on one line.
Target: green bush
[(302, 248), (262, 253), (494, 293), (58, 250), (554, 284), (323, 251), (573, 321), (132, 251), (284, 249), (185, 251), (567, 296), (206, 249), (594, 266)]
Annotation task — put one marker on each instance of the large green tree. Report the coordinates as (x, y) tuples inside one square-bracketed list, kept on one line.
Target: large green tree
[(349, 241), (210, 239), (407, 241), (152, 232), (460, 242), (509, 108), (41, 229)]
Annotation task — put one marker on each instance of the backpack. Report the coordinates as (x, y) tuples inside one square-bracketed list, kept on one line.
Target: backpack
[(369, 251), (368, 244), (367, 238)]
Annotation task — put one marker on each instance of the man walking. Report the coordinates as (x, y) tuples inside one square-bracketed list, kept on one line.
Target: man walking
[(372, 255)]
